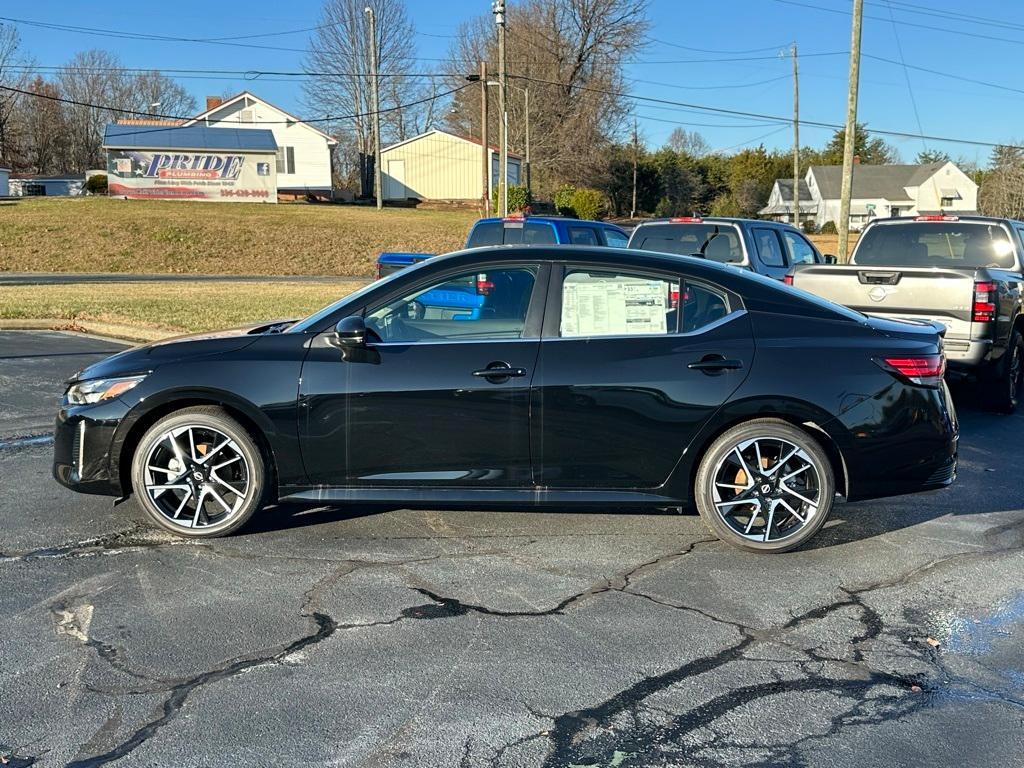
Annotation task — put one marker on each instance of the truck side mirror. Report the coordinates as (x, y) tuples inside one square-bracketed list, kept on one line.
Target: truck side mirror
[(830, 259)]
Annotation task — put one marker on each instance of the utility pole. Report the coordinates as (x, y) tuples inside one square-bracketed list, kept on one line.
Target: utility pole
[(851, 127), (636, 152), (376, 107), (498, 8), (796, 141), (526, 99), (483, 140)]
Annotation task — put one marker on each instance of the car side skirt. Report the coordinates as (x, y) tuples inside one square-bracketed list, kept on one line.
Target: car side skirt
[(480, 497)]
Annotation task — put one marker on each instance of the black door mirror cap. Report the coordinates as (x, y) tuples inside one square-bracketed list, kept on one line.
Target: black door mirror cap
[(350, 332)]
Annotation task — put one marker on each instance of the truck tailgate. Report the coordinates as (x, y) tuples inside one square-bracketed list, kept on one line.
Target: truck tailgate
[(915, 293)]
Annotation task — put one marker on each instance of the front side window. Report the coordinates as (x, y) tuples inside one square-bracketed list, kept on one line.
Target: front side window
[(487, 303), (598, 303), (800, 251), (768, 249), (615, 239)]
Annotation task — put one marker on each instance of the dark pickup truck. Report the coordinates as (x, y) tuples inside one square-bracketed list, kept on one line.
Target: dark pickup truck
[(766, 247), (964, 272), (518, 229)]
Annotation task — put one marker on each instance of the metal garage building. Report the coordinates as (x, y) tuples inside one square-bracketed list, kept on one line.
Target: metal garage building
[(24, 185), (193, 162), (5, 176), (440, 166)]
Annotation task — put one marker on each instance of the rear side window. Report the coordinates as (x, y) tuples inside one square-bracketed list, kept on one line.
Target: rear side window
[(715, 242), (615, 304), (514, 232), (800, 251), (582, 236), (701, 307), (769, 250), (954, 244)]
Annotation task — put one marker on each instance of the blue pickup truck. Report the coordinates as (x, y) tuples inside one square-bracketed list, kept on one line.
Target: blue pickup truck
[(518, 229)]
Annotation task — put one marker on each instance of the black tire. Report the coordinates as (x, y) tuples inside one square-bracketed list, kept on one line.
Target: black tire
[(1003, 392), (720, 464), (244, 470)]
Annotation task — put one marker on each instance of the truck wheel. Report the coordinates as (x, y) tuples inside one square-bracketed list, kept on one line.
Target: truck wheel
[(1005, 390), (765, 485)]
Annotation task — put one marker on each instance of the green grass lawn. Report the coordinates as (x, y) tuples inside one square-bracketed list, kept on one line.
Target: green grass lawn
[(98, 234), (168, 308)]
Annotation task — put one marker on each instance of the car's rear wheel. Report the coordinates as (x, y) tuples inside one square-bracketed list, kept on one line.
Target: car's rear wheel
[(765, 485), (199, 473), (1007, 387)]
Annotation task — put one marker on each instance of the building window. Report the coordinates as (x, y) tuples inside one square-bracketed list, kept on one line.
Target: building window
[(946, 202), (286, 160)]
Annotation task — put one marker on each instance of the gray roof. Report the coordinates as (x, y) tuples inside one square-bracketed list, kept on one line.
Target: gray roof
[(786, 189), (193, 137), (873, 181)]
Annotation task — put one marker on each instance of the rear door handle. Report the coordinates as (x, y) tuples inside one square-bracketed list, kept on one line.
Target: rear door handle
[(715, 363)]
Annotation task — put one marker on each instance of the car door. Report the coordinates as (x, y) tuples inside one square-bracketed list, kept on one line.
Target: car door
[(770, 252), (440, 394), (631, 365)]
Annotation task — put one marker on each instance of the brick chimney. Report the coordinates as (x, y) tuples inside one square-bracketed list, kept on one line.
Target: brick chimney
[(856, 158), (212, 102)]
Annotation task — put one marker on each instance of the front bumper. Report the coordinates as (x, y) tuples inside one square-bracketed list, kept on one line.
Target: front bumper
[(82, 448)]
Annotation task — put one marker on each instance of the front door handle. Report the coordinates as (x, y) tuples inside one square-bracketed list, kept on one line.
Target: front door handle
[(713, 363), (499, 371)]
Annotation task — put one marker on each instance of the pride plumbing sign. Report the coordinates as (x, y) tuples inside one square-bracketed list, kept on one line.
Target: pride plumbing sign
[(208, 176)]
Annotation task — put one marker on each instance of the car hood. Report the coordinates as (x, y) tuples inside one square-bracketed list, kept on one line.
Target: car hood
[(146, 357)]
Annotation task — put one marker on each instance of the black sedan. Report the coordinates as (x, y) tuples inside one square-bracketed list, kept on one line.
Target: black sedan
[(518, 376)]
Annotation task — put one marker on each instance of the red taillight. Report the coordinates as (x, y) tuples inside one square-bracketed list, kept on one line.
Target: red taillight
[(788, 279), (934, 217), (984, 308), (483, 285), (926, 370), (673, 297), (686, 220)]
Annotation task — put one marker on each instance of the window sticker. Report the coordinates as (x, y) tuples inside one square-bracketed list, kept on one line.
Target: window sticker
[(613, 307)]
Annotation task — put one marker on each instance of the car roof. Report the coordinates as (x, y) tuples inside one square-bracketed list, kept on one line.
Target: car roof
[(549, 220), (889, 220), (711, 220)]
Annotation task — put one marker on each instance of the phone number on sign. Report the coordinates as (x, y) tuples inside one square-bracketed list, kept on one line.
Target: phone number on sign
[(245, 193)]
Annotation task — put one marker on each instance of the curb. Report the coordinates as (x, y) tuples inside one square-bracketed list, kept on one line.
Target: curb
[(105, 331)]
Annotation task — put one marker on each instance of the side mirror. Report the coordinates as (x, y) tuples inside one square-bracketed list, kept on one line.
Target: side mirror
[(830, 259), (350, 332)]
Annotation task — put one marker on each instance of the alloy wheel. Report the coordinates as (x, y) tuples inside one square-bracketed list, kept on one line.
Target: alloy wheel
[(766, 489), (196, 477)]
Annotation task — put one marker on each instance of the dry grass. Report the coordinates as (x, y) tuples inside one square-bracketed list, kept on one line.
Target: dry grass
[(170, 306), (98, 234), (830, 243)]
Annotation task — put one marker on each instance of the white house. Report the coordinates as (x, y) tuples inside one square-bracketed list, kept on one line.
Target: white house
[(878, 191), (304, 151), (441, 166)]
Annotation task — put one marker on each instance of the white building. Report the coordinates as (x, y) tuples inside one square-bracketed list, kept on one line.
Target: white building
[(303, 151), (441, 166), (45, 186), (878, 191)]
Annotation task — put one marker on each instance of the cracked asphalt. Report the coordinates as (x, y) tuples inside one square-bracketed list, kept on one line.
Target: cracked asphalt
[(370, 637)]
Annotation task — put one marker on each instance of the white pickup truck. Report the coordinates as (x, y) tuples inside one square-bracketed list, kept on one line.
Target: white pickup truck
[(963, 272)]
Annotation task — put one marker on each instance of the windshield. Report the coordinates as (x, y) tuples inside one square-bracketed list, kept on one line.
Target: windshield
[(953, 244), (311, 322), (715, 242)]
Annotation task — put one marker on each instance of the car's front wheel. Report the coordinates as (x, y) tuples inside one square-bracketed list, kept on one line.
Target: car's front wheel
[(765, 485), (199, 473)]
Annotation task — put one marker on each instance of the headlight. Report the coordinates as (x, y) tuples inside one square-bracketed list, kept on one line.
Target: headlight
[(86, 392)]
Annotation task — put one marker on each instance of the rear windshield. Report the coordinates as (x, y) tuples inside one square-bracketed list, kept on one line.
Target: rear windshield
[(956, 244), (715, 242), (505, 233)]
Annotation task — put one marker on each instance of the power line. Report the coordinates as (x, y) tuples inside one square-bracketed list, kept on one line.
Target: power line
[(708, 50), (158, 116), (985, 83), (906, 73), (760, 116)]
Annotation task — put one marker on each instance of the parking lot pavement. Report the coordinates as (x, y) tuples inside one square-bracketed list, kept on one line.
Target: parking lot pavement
[(354, 636)]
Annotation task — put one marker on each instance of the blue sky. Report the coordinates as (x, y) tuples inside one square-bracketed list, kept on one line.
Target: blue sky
[(754, 30)]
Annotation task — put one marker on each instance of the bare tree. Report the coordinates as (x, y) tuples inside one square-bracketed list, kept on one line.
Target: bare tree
[(92, 82), (153, 88), (687, 142), (42, 132), (15, 73), (339, 63), (571, 55), (1002, 190)]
